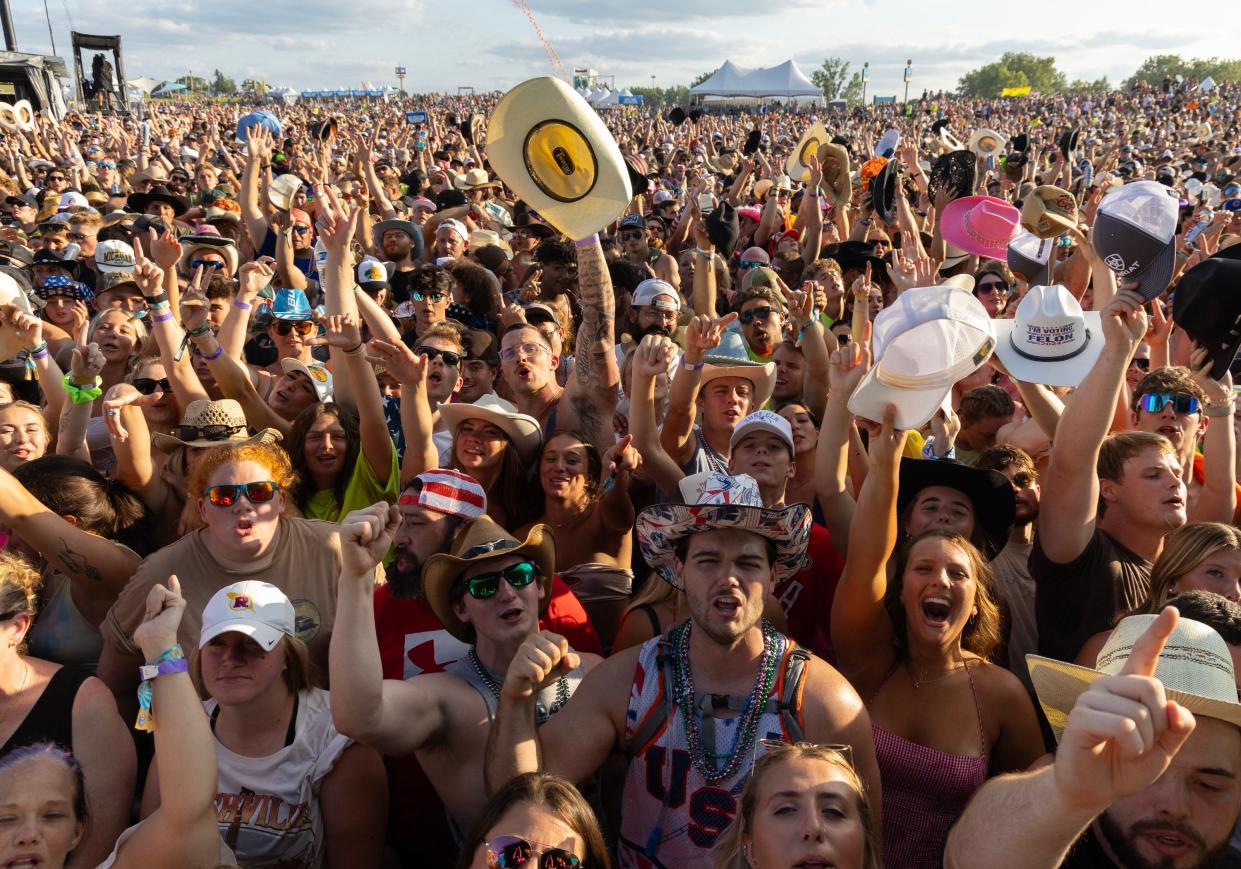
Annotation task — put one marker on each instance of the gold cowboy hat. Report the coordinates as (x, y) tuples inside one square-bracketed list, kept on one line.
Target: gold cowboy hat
[(811, 142)]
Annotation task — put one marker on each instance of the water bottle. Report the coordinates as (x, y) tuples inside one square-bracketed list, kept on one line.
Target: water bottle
[(320, 257)]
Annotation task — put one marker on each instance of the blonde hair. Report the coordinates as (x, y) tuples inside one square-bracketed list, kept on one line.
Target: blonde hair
[(728, 852), (1183, 550), (19, 588)]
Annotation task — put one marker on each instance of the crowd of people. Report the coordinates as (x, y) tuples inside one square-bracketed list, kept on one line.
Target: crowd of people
[(528, 487)]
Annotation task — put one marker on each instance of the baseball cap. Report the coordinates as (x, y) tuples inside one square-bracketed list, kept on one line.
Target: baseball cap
[(70, 199), (1135, 234), (1049, 211), (114, 255), (257, 609), (24, 199), (538, 313), (458, 227), (447, 491), (372, 275), (318, 375), (422, 202), (930, 338), (1029, 258), (650, 289), (662, 196), (633, 221), (763, 420)]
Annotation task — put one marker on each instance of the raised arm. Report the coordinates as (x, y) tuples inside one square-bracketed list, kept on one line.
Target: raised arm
[(252, 278), (186, 387), (591, 394), (651, 359), (417, 422), (810, 335), (831, 461), (83, 381), (1217, 500), (703, 333), (395, 716), (861, 628), (1070, 487), (258, 160), (345, 337), (29, 331)]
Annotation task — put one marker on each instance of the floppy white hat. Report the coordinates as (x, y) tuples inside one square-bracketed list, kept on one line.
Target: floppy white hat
[(552, 149), (924, 343), (1195, 668), (1050, 340)]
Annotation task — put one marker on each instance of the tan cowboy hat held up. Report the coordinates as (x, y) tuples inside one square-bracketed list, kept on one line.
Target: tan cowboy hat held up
[(551, 148)]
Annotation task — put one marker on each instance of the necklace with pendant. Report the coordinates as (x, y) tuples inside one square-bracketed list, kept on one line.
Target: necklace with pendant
[(562, 684)]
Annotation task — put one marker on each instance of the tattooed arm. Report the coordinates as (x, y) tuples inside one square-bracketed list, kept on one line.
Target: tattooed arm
[(97, 568), (590, 400)]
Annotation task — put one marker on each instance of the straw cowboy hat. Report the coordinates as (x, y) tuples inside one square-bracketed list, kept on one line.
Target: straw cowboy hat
[(282, 190), (11, 293), (475, 179), (226, 414), (1195, 668), (522, 430), (721, 502), (811, 141), (479, 541), (552, 149), (225, 247)]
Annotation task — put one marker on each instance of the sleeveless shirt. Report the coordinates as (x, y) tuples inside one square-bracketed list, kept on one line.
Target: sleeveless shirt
[(669, 808), (51, 717), (544, 704)]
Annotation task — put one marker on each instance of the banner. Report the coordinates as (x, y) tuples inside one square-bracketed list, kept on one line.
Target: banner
[(1015, 92), (630, 100)]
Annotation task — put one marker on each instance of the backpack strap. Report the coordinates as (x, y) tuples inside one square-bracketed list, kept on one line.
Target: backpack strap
[(661, 713), (792, 684)]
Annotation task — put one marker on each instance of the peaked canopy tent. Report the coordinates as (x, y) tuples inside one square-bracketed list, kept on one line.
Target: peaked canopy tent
[(785, 81)]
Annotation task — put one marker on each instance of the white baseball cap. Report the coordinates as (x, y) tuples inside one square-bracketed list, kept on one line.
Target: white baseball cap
[(662, 196), (372, 274), (316, 372), (1050, 340), (114, 255), (458, 227), (930, 338), (763, 420), (70, 199), (646, 292), (257, 609)]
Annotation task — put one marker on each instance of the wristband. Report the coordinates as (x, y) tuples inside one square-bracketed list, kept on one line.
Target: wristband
[(588, 241), (219, 351), (162, 317), (170, 662), (82, 394), (38, 351), (692, 366), (865, 221), (200, 330), (240, 305), (354, 351), (153, 301), (709, 254), (1224, 409)]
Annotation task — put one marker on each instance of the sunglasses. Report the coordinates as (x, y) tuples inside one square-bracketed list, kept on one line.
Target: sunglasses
[(996, 286), (631, 234), (451, 359), (207, 432), (751, 264), (508, 354), (755, 314), (302, 327), (107, 164), (1155, 402), (206, 264), (300, 229), (1140, 364), (506, 852), (55, 177), (227, 494), (147, 385), (436, 298), (486, 585)]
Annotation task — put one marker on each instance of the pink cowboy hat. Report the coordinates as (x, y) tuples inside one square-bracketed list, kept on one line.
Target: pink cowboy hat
[(981, 225)]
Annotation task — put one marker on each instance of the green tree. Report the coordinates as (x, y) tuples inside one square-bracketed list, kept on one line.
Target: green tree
[(831, 77), (1099, 85), (221, 85), (1220, 69), (1155, 69), (1014, 69), (193, 83), (701, 77), (852, 94)]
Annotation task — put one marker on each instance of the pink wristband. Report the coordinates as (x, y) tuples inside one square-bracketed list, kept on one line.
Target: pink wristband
[(589, 240), (241, 306)]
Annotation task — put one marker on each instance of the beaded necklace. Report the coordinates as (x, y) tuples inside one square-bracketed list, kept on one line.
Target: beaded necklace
[(704, 759), (562, 684)]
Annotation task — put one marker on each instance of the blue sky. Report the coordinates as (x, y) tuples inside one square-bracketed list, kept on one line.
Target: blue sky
[(489, 44)]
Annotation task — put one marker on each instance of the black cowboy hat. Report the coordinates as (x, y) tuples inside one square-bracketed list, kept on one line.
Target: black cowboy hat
[(638, 179), (1020, 142), (159, 193), (995, 504), (695, 114), (883, 191), (954, 173), (323, 131), (677, 116), (50, 257), (854, 255), (1207, 305), (1014, 166), (938, 125), (1068, 142), (752, 142), (724, 228), (540, 230), (470, 128)]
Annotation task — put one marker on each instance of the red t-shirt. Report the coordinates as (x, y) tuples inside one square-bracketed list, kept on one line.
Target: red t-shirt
[(807, 596), (1200, 476), (413, 641)]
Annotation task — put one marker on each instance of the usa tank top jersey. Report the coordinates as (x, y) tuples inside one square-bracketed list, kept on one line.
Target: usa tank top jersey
[(685, 777)]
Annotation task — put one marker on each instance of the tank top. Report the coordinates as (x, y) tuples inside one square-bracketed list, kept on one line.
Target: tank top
[(705, 457), (546, 704), (924, 792), (51, 717), (61, 633), (671, 816)]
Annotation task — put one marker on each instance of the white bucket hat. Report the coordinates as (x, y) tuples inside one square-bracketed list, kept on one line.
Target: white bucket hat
[(552, 149), (924, 343), (1195, 668), (1051, 340)]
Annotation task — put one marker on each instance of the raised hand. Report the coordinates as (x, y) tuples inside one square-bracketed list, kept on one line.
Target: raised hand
[(148, 275), (401, 363), (621, 458), (124, 395), (847, 366), (194, 309), (341, 330), (886, 447), (365, 538), (653, 357), (253, 278), (1122, 732), (1217, 391), (1124, 319), (801, 305), (704, 333), (164, 248), (542, 657), (902, 272), (29, 328), (164, 608), (945, 426), (86, 364)]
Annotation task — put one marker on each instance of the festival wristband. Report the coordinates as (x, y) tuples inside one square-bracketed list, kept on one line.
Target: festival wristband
[(219, 351), (355, 350), (153, 301), (200, 330), (1218, 410), (39, 351), (692, 366), (240, 305), (588, 241), (162, 317), (169, 662), (82, 394)]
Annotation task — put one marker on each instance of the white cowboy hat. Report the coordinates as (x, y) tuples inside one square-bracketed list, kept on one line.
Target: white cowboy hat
[(812, 140), (11, 293), (282, 190), (1195, 668), (552, 149), (1050, 340), (986, 142), (475, 179), (522, 430), (761, 374)]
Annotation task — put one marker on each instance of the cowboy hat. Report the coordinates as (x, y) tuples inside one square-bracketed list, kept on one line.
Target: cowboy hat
[(554, 151), (982, 225), (522, 430), (226, 414), (475, 179), (159, 193), (883, 191), (888, 143), (471, 127), (723, 502), (1050, 340), (480, 541), (1194, 666), (954, 173), (837, 187), (990, 492), (282, 190), (811, 142), (761, 374), (985, 142), (215, 243), (11, 293)]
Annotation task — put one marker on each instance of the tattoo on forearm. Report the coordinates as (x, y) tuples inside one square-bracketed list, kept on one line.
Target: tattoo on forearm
[(598, 306), (76, 563)]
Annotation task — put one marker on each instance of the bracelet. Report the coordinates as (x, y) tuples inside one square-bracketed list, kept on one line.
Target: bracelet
[(82, 394), (1224, 409), (219, 351), (169, 662), (354, 351), (589, 240), (691, 366), (865, 221), (38, 351), (240, 305), (709, 254), (200, 330), (162, 317), (153, 301)]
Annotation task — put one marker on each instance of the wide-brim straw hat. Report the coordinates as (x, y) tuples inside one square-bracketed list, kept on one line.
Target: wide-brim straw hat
[(225, 412)]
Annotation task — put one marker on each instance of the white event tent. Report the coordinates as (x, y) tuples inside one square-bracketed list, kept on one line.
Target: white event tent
[(785, 81)]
